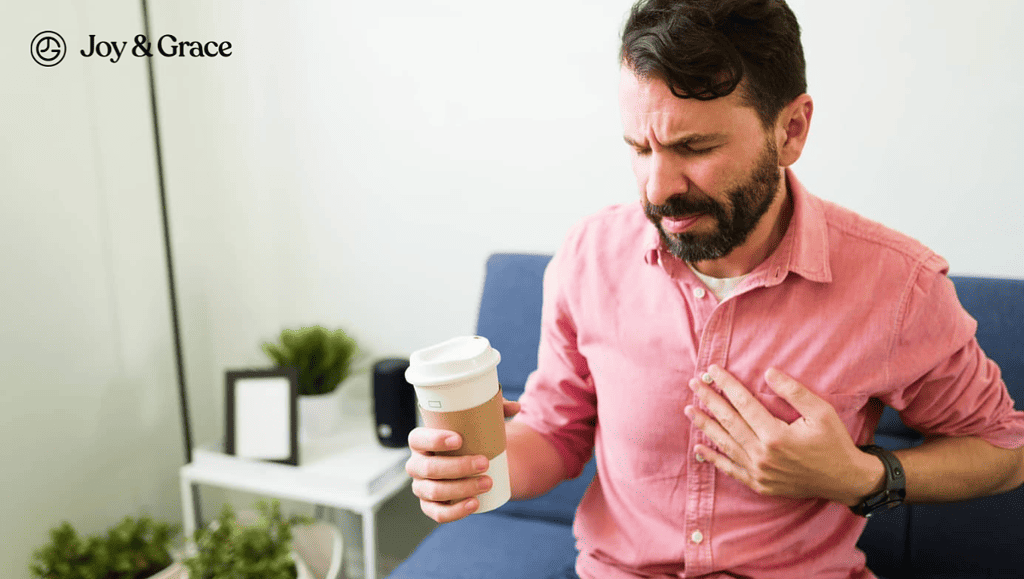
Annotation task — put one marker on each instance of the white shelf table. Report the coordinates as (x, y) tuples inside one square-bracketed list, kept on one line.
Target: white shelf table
[(349, 470)]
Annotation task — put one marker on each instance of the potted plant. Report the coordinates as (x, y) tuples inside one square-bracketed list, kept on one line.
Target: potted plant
[(324, 359), (261, 548), (133, 549)]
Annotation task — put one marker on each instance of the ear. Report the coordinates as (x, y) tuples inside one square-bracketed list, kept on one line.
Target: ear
[(791, 129)]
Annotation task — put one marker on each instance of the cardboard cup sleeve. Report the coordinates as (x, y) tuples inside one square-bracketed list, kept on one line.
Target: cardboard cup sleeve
[(483, 432), (482, 428)]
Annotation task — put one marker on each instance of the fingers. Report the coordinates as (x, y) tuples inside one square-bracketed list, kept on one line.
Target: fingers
[(422, 466), (450, 491), (446, 513), (753, 412), (447, 501), (511, 408), (445, 485), (806, 402), (727, 466), (433, 440), (727, 423), (435, 504), (722, 439)]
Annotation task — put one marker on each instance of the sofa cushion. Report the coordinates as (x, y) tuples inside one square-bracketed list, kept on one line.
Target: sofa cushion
[(493, 546), (884, 542), (967, 540)]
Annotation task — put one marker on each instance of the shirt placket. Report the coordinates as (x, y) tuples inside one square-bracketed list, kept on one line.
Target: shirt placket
[(713, 349)]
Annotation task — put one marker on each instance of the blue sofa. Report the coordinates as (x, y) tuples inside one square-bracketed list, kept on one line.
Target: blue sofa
[(982, 538)]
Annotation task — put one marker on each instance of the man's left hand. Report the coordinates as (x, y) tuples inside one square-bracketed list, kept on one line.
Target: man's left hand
[(814, 457)]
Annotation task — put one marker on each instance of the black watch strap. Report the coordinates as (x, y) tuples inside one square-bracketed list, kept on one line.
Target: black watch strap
[(895, 490)]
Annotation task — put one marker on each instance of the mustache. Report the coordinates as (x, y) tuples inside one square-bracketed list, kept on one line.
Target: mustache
[(681, 206)]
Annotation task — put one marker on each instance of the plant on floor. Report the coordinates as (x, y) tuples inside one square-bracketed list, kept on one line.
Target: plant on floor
[(133, 549), (230, 550), (323, 358)]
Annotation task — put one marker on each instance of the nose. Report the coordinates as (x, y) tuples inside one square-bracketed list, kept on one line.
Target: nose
[(666, 178)]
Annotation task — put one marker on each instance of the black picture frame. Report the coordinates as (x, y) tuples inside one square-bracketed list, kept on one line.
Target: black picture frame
[(262, 414)]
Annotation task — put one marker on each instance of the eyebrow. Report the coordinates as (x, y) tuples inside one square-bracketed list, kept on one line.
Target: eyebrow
[(685, 140)]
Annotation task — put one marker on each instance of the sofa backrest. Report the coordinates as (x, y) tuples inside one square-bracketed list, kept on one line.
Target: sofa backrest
[(510, 315), (998, 306)]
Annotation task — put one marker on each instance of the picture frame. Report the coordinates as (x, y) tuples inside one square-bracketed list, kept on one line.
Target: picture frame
[(262, 414)]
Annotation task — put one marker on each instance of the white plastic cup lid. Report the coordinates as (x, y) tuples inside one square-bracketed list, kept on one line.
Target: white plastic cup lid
[(450, 361)]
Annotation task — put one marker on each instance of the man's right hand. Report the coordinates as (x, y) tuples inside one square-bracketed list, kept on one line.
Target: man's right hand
[(447, 486)]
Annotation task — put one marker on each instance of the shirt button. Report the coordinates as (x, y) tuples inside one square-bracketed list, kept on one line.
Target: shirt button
[(699, 293), (699, 457), (697, 537)]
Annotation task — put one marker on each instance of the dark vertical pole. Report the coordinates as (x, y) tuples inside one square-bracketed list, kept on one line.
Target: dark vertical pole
[(186, 422)]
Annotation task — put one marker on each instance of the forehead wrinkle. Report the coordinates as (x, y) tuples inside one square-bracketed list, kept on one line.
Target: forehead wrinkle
[(660, 125), (652, 111)]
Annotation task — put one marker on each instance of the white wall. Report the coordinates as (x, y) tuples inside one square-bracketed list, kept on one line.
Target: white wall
[(918, 121), (354, 165), (90, 424)]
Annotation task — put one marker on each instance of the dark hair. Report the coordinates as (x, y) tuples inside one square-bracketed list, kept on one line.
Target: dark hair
[(704, 49)]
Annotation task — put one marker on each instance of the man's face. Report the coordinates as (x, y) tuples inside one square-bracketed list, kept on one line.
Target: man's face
[(706, 170)]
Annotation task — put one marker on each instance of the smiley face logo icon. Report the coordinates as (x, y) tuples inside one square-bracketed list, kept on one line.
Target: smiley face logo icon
[(48, 48)]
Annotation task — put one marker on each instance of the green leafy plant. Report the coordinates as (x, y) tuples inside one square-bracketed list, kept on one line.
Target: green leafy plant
[(231, 550), (323, 358), (133, 549)]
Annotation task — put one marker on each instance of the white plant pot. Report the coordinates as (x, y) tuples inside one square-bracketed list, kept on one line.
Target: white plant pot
[(301, 569), (320, 415), (175, 571)]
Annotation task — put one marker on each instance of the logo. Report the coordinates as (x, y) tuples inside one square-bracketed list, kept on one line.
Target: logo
[(48, 48)]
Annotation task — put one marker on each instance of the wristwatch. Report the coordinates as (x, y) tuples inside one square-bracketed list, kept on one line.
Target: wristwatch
[(895, 490)]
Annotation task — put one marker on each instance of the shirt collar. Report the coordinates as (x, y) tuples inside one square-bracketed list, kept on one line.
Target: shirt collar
[(803, 250)]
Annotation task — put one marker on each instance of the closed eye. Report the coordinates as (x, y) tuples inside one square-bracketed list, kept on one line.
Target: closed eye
[(692, 150), (692, 145)]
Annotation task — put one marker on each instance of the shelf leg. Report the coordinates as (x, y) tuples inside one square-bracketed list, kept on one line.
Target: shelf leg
[(369, 517), (188, 506)]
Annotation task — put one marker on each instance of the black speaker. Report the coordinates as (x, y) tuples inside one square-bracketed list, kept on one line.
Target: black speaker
[(394, 402)]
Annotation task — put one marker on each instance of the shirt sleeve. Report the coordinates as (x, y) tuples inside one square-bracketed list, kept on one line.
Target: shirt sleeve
[(559, 401), (942, 383)]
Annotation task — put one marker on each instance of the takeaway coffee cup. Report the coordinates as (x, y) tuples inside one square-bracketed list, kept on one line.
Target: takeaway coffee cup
[(457, 388)]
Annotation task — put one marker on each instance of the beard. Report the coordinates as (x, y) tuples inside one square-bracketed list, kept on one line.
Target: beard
[(745, 205)]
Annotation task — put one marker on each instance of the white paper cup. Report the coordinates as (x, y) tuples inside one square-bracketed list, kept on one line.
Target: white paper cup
[(457, 388)]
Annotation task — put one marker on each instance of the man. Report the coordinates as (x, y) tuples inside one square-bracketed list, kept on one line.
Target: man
[(726, 346)]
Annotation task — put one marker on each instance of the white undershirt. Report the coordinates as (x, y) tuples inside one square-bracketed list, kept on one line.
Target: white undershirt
[(721, 287)]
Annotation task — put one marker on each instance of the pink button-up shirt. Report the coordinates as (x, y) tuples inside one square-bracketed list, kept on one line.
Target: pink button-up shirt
[(862, 315)]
